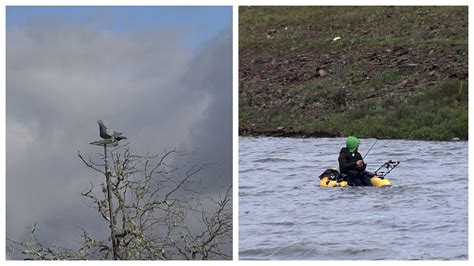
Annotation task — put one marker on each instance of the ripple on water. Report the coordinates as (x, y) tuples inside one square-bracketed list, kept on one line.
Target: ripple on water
[(272, 160)]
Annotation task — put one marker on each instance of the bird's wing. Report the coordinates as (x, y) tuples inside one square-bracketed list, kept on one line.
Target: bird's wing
[(110, 132)]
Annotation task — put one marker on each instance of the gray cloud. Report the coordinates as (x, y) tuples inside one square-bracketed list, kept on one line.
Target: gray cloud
[(61, 78)]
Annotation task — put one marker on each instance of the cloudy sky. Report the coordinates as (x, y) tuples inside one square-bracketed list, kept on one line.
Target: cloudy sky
[(161, 75)]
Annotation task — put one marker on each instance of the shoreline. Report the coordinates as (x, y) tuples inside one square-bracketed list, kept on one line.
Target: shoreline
[(303, 135)]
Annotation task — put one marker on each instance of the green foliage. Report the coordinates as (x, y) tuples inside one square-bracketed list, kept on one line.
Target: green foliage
[(440, 114), (420, 118)]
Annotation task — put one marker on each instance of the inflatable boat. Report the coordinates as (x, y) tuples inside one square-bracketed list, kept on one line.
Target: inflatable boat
[(326, 181), (332, 177)]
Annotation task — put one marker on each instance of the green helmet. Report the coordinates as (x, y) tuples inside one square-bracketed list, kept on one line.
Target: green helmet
[(351, 143)]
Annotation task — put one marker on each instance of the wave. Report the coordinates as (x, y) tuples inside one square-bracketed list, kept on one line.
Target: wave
[(251, 170), (279, 223), (273, 160)]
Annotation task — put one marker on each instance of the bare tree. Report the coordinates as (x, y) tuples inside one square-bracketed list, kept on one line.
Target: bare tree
[(157, 213)]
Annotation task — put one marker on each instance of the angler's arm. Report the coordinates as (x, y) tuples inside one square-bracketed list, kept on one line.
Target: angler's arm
[(344, 165)]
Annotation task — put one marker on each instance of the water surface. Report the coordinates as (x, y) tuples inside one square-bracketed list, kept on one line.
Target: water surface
[(284, 214)]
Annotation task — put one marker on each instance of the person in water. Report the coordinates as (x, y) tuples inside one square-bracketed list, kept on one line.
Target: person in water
[(351, 164)]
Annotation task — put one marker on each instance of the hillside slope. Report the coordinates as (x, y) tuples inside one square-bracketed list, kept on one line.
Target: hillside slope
[(384, 72)]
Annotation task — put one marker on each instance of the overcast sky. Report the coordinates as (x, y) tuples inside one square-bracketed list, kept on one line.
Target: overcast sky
[(161, 75)]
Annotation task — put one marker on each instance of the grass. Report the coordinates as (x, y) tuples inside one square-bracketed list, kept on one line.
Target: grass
[(440, 114), (310, 28)]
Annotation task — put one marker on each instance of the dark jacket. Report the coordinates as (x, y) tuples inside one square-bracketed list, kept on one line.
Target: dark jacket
[(347, 162)]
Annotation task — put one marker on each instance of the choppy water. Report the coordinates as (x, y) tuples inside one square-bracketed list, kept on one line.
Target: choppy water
[(284, 214)]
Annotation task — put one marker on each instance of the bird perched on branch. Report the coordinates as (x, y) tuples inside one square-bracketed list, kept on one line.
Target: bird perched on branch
[(106, 133)]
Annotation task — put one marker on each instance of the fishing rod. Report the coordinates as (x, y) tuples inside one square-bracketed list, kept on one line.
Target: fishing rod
[(390, 165), (370, 149)]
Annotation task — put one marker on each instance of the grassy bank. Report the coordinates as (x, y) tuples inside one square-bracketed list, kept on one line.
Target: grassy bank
[(395, 72)]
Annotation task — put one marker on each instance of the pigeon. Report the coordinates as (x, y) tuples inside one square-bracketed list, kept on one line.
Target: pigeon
[(106, 133)]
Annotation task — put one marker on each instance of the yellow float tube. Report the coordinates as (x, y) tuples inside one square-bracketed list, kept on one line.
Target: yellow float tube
[(325, 181)]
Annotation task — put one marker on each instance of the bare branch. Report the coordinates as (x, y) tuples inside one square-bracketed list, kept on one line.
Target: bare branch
[(153, 203), (89, 163)]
